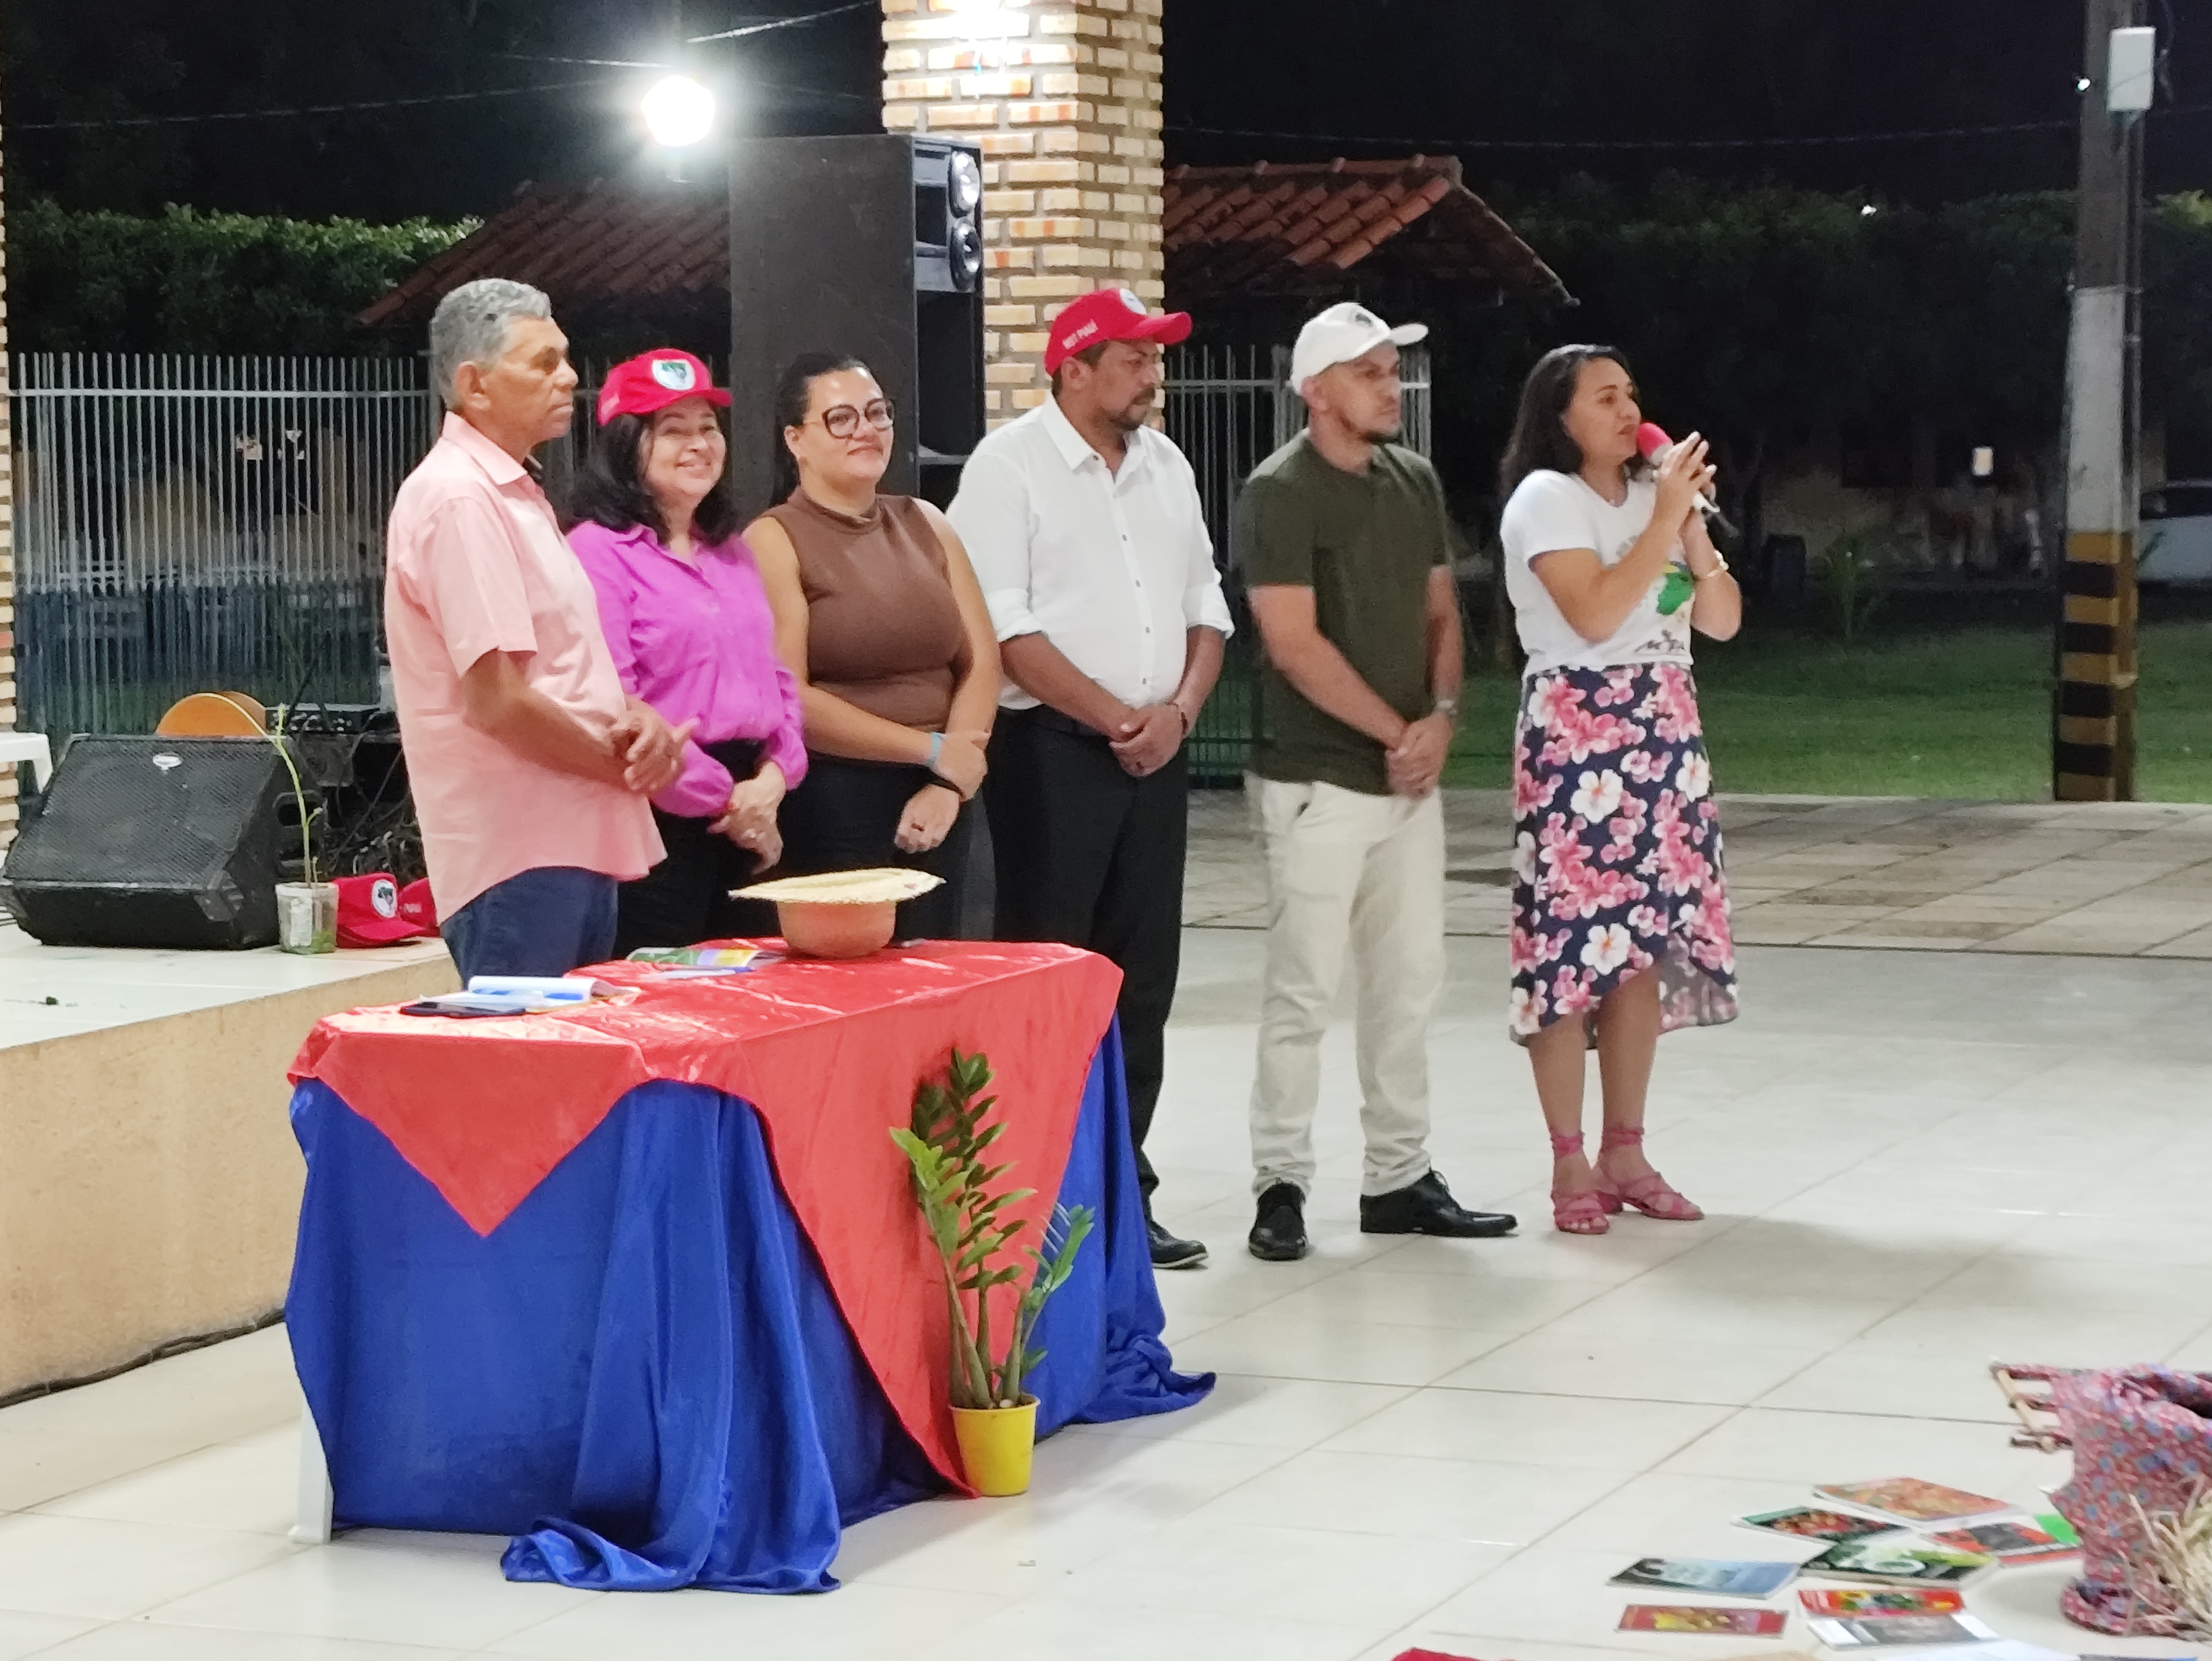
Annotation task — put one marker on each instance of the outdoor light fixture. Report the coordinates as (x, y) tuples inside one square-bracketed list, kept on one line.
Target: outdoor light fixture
[(1867, 211), (1985, 460), (964, 182), (679, 111)]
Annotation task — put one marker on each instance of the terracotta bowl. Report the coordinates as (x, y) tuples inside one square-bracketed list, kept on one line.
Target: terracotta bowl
[(814, 929)]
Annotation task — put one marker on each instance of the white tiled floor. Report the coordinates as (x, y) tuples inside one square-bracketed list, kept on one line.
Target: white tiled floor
[(1916, 1163)]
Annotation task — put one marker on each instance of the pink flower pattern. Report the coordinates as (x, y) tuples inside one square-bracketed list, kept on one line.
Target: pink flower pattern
[(1652, 868), (1574, 732)]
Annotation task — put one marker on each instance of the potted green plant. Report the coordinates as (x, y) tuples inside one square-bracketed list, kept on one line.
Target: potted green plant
[(949, 1146), (306, 911)]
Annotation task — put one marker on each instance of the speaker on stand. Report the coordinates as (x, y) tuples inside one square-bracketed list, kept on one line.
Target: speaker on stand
[(871, 245)]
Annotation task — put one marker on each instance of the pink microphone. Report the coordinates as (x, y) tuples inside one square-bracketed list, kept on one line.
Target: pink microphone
[(1654, 446)]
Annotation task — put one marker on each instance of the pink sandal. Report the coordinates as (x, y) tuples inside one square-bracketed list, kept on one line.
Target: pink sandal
[(1649, 1193), (1576, 1213)]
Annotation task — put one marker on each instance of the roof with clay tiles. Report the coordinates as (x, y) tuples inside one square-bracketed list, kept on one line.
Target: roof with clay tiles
[(1269, 227), (581, 243)]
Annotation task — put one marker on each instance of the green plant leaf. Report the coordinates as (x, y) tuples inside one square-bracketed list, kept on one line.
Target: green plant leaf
[(944, 1145)]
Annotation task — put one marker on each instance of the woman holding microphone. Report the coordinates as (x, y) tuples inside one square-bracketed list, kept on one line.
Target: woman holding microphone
[(684, 613), (1621, 927)]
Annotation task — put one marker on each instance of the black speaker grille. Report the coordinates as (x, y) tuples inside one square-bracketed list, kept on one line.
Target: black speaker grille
[(160, 813)]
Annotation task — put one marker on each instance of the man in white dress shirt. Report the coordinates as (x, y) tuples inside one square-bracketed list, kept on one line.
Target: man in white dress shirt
[(1086, 533)]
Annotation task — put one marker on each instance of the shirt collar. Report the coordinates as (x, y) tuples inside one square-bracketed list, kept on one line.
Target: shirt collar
[(1075, 449), (503, 468), (643, 536)]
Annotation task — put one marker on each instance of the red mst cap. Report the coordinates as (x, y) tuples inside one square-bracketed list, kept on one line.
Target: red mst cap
[(417, 905), (653, 380), (1109, 315), (369, 913)]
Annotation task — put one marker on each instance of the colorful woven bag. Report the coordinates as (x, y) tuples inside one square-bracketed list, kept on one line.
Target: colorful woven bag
[(2141, 1436)]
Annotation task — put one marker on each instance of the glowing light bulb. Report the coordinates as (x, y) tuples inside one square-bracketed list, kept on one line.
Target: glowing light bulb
[(679, 111)]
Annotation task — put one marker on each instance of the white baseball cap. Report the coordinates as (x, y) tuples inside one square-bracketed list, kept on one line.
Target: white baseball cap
[(1342, 333)]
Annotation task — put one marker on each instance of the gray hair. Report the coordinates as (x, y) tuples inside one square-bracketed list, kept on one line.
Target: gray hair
[(471, 325)]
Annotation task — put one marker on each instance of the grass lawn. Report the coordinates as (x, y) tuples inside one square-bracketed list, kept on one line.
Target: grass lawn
[(1954, 715)]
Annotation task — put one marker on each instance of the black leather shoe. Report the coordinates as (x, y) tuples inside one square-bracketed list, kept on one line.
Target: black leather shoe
[(1427, 1207), (1278, 1232), (1169, 1252)]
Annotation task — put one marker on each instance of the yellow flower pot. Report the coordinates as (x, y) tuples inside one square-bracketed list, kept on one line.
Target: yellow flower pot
[(996, 1446)]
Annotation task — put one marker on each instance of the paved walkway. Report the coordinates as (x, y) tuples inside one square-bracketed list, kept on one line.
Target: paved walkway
[(2092, 879)]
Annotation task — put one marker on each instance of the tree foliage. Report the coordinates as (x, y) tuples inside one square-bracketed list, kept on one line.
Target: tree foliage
[(1764, 315), (1726, 75), (193, 282)]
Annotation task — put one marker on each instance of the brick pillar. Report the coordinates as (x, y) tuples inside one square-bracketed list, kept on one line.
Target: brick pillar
[(1064, 97)]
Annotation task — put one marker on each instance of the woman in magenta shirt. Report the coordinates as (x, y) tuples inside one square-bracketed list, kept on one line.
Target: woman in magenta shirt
[(685, 617)]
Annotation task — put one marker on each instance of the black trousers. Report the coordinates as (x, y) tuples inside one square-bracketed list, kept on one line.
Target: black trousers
[(1087, 856), (685, 899), (845, 817)]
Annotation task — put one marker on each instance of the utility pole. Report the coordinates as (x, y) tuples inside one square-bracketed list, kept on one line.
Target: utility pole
[(2093, 714)]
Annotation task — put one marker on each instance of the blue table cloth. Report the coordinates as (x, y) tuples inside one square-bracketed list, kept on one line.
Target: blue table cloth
[(641, 1374)]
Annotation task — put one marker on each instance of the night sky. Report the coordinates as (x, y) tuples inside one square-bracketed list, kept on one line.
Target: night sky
[(1524, 93)]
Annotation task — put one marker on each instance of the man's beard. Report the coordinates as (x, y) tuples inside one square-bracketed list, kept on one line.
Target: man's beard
[(1383, 435), (1134, 416)]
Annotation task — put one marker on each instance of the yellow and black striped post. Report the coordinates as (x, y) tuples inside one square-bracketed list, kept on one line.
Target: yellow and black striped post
[(2093, 716), (2094, 758)]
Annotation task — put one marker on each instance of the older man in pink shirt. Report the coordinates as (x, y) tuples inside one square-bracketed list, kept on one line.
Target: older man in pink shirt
[(531, 768)]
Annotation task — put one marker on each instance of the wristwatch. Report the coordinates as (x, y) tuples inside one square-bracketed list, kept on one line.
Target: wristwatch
[(1448, 708)]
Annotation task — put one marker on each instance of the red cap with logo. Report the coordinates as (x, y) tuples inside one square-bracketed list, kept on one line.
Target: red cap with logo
[(373, 910), (1109, 315), (653, 380)]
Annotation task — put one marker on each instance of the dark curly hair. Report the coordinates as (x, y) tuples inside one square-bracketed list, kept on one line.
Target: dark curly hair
[(609, 488), (1539, 432)]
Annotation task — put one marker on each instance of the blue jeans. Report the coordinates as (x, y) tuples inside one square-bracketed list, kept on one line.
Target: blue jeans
[(546, 922)]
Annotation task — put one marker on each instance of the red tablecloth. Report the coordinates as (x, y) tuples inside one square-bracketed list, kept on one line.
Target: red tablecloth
[(830, 1055)]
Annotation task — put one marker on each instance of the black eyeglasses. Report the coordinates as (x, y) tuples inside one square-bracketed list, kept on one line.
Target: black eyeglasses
[(843, 420)]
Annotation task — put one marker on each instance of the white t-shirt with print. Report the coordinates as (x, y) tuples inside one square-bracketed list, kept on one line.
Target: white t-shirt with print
[(1549, 512)]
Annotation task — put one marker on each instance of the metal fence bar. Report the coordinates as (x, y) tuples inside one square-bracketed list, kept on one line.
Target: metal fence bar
[(203, 523)]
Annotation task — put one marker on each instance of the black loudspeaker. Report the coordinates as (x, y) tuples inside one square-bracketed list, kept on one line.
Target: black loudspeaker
[(153, 842), (870, 245)]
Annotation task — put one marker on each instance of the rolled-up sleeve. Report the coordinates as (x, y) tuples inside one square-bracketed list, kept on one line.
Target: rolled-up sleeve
[(701, 790), (992, 515)]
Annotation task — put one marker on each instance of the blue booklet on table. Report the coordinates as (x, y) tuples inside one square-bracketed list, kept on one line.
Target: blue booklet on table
[(1728, 1576)]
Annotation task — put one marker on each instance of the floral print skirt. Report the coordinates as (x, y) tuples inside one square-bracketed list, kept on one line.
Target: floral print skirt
[(1617, 855)]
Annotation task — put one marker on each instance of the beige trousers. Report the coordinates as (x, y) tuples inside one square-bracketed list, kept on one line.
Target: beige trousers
[(1358, 879)]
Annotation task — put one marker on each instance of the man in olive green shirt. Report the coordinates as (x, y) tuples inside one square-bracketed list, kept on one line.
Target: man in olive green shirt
[(1347, 556)]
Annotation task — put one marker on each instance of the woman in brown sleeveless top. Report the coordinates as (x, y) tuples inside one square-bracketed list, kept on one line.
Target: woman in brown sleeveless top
[(879, 616)]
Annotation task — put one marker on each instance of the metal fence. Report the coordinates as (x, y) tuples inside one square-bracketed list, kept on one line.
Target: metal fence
[(1228, 408), (189, 523)]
